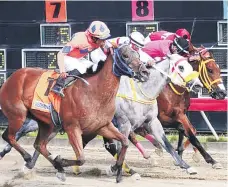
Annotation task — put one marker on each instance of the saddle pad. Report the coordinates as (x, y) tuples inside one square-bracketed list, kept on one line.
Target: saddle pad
[(43, 98)]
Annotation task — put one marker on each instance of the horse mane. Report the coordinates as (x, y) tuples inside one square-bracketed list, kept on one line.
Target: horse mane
[(100, 66)]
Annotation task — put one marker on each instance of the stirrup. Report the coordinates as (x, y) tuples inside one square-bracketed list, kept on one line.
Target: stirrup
[(58, 92)]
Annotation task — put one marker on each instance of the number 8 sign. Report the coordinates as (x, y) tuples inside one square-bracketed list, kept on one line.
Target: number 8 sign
[(142, 10)]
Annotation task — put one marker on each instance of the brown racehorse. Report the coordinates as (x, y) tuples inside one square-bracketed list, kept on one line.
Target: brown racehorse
[(84, 109)]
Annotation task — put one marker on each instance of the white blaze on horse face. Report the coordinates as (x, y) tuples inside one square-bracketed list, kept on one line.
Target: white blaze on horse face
[(221, 86), (180, 69)]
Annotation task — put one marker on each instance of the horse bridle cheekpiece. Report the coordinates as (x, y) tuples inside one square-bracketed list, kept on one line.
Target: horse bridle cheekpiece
[(203, 74), (119, 65)]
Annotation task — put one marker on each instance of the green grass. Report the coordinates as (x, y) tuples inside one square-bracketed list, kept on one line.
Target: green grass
[(172, 137)]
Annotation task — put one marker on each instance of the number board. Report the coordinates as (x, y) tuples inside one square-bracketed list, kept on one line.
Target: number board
[(142, 10), (2, 59), (220, 56), (222, 33), (44, 58), (204, 91), (143, 27), (54, 35), (2, 78), (55, 11)]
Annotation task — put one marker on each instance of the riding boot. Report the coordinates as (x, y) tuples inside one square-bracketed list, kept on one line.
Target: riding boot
[(58, 87), (61, 82)]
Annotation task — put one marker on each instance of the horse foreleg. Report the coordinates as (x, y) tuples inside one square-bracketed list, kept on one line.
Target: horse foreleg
[(132, 138), (110, 132), (180, 147), (154, 127), (75, 139), (189, 131), (85, 139), (142, 132), (111, 147)]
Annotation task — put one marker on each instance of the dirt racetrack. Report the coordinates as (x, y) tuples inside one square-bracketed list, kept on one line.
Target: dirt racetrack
[(164, 174)]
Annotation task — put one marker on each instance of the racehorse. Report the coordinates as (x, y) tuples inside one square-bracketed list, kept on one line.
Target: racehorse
[(174, 101), (84, 109)]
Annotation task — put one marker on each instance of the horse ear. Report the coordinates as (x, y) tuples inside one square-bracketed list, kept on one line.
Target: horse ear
[(211, 53)]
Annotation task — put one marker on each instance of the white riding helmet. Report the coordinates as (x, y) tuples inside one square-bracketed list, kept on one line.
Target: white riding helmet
[(138, 39), (99, 30)]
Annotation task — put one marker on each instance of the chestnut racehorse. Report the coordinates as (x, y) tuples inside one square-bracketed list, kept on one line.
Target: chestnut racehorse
[(84, 109)]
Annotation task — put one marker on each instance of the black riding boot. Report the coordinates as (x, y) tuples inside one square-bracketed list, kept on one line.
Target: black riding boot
[(61, 82), (58, 87)]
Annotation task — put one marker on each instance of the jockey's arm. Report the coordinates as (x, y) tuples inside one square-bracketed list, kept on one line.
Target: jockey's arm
[(64, 51)]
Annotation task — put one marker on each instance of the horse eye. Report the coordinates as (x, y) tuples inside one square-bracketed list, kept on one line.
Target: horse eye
[(125, 56), (181, 68), (209, 70)]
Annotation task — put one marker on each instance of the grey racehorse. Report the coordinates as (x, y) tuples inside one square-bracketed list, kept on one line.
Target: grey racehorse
[(136, 104)]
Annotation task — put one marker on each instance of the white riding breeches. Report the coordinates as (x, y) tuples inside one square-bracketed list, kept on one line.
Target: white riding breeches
[(80, 64)]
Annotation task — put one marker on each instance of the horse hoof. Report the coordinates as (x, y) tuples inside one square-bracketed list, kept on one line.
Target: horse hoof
[(217, 166), (118, 179), (25, 169), (146, 156), (136, 176), (27, 173), (76, 170), (191, 171), (61, 176), (159, 152), (153, 162), (175, 163), (109, 172), (196, 157), (29, 165)]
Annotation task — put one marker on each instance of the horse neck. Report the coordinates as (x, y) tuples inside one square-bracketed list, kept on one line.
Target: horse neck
[(157, 80), (107, 82)]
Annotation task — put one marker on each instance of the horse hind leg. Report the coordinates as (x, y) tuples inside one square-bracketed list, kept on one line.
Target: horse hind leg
[(155, 127), (45, 134), (14, 126)]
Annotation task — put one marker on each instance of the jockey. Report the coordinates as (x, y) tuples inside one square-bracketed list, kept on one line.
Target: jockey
[(71, 59), (136, 40), (165, 35), (160, 48)]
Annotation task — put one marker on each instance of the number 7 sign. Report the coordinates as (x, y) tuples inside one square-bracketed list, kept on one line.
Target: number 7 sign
[(55, 11), (142, 10)]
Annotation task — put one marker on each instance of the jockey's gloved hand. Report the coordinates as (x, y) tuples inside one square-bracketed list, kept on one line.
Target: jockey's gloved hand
[(63, 75)]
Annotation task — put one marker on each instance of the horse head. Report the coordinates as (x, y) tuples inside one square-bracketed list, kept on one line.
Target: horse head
[(182, 74), (127, 62), (209, 73)]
